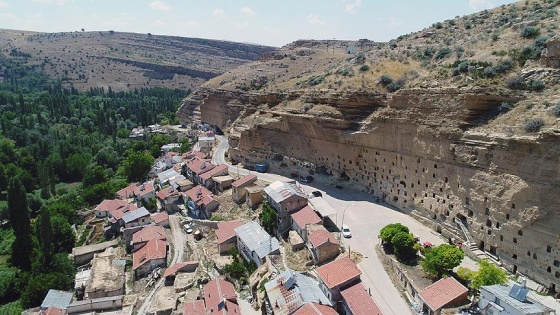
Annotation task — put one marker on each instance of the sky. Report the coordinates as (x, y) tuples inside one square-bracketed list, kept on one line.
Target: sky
[(265, 22)]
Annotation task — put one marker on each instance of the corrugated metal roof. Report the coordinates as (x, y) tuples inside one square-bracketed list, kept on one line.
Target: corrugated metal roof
[(280, 191), (291, 290), (136, 214), (57, 298), (256, 239), (502, 292)]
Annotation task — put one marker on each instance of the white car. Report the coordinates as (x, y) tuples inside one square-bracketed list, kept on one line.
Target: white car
[(346, 231)]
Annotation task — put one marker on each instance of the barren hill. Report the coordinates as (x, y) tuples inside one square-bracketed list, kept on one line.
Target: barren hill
[(457, 124), (125, 61)]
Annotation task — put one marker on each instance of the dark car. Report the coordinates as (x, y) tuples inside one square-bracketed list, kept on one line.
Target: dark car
[(317, 193), (306, 179)]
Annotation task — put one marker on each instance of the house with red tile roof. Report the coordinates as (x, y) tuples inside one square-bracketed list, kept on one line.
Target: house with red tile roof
[(443, 293), (196, 167), (285, 198), (336, 276), (170, 273), (206, 178), (201, 201), (312, 308), (195, 308), (226, 237), (153, 255), (322, 244), (238, 191), (357, 301), (302, 218), (193, 154), (169, 199), (161, 219), (150, 232), (113, 208), (144, 192), (220, 298), (127, 192)]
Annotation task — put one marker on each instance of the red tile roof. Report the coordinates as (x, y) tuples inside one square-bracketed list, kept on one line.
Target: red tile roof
[(245, 180), (198, 154), (320, 237), (160, 217), (216, 170), (442, 292), (203, 198), (215, 292), (199, 166), (338, 272), (306, 216), (150, 232), (195, 308), (167, 192), (144, 189), (359, 301), (172, 270), (117, 208), (226, 231), (127, 191), (154, 249), (312, 308), (53, 310)]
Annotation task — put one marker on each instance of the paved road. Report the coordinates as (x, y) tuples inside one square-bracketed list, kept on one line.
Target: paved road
[(178, 249)]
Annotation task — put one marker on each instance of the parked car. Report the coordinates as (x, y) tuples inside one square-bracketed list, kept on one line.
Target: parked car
[(306, 179), (188, 228), (294, 174), (346, 231), (317, 193)]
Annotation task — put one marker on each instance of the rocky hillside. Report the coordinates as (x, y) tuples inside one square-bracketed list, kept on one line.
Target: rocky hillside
[(457, 124), (125, 61)]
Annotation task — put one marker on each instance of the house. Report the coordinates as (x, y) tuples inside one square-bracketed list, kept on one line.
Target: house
[(337, 276), (238, 191), (193, 154), (169, 199), (357, 301), (165, 176), (225, 235), (220, 298), (107, 276), (153, 255), (254, 196), (195, 308), (144, 192), (312, 308), (53, 310), (161, 219), (351, 49), (84, 254), (170, 273), (443, 293), (196, 167), (57, 298), (138, 217), (290, 290), (201, 201), (127, 192), (512, 300), (113, 207), (285, 198), (221, 183), (184, 185), (97, 306), (206, 179), (302, 218), (150, 232), (206, 144), (254, 244), (322, 244), (169, 147)]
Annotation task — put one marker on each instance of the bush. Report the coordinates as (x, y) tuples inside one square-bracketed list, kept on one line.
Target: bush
[(385, 79), (505, 107), (533, 125), (395, 85), (515, 83), (345, 71), (537, 85), (389, 231), (443, 53), (530, 32), (364, 68), (489, 72), (504, 66), (556, 110)]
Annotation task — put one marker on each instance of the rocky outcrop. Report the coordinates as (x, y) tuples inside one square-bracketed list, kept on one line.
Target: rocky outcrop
[(551, 54), (420, 150)]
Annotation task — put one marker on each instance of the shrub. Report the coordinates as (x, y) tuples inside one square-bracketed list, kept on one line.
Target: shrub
[(515, 83), (345, 71), (364, 68), (504, 66), (533, 125), (463, 66), (438, 25), (443, 53), (537, 85), (395, 85), (530, 32), (489, 72), (556, 110), (505, 107), (385, 79)]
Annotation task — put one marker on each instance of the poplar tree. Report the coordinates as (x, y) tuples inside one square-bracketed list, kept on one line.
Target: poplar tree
[(18, 210)]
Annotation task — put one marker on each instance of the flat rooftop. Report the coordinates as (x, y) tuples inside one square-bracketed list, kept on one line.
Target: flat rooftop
[(107, 273)]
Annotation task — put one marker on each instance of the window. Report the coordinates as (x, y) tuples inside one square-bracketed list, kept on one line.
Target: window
[(467, 201), (520, 232), (487, 211), (507, 216), (513, 205), (514, 256), (548, 248), (501, 238), (515, 240), (534, 255)]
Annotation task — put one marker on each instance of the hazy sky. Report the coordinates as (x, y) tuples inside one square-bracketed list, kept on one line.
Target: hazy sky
[(268, 22)]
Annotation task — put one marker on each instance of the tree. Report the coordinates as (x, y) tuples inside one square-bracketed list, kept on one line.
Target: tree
[(63, 235), (487, 274), (93, 176), (268, 218), (389, 231), (137, 165), (403, 245), (45, 238), (185, 146), (21, 224), (442, 259)]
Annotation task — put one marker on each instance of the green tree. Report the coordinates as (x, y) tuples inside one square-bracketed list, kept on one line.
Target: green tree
[(487, 274), (389, 231), (268, 218), (185, 146), (21, 224), (94, 175), (137, 165), (442, 259), (76, 165), (45, 238), (403, 245), (63, 235)]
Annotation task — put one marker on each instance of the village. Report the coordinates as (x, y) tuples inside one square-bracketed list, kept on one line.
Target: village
[(207, 247)]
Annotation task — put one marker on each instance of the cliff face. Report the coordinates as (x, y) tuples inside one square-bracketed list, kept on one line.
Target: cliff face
[(419, 149)]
